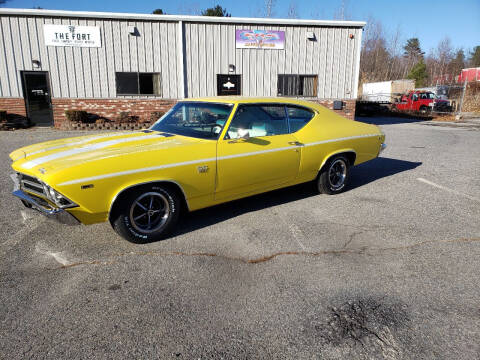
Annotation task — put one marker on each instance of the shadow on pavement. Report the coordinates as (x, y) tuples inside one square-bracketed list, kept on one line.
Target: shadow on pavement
[(361, 175), (379, 168)]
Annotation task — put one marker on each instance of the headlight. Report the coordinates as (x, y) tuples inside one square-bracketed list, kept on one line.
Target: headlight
[(57, 198)]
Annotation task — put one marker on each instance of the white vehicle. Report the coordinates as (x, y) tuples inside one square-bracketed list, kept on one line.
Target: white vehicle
[(386, 91)]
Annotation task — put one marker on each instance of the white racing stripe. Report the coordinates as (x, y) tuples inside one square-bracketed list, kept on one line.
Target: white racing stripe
[(153, 168), (92, 138), (32, 163), (341, 139), (128, 172)]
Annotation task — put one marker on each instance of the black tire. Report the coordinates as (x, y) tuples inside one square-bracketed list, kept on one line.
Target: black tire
[(161, 206), (424, 110), (334, 176)]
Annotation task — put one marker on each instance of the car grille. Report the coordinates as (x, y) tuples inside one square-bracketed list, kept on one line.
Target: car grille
[(32, 185)]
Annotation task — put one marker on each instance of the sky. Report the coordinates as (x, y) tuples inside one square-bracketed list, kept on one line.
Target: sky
[(430, 21)]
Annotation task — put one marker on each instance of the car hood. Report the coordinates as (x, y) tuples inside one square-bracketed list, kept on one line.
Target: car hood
[(53, 156)]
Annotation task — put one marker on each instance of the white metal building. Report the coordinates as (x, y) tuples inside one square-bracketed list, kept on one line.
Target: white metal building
[(57, 56)]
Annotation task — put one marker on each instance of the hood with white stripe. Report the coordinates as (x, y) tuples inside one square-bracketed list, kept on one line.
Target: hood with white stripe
[(44, 159)]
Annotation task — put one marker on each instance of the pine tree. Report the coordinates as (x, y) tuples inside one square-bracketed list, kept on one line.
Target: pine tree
[(216, 11), (419, 74), (458, 63), (412, 50), (475, 57)]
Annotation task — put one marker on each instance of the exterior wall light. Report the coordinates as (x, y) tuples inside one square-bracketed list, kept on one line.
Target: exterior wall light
[(36, 64), (311, 36), (132, 30), (231, 68)]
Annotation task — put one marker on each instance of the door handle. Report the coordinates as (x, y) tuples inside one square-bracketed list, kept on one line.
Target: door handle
[(295, 143)]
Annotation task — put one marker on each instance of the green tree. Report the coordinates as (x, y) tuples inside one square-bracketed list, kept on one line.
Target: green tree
[(216, 11), (475, 57), (158, 12), (457, 63), (418, 73), (412, 50)]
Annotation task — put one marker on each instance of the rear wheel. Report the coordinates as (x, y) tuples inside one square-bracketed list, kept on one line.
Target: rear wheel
[(148, 213), (334, 176)]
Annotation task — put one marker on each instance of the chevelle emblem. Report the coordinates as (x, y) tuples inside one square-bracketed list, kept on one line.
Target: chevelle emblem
[(202, 169)]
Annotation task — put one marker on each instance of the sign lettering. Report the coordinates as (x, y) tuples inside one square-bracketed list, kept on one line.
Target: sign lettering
[(72, 35), (260, 39)]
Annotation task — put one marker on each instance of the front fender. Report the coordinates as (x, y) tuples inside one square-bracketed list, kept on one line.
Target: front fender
[(132, 185)]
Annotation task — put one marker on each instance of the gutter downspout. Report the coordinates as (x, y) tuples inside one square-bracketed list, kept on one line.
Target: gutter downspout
[(357, 69), (182, 78)]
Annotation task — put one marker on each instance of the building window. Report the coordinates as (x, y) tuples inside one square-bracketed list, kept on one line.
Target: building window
[(297, 85), (132, 83)]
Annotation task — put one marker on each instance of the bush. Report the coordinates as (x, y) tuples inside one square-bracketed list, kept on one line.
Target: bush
[(77, 116), (154, 116), (125, 117), (3, 116)]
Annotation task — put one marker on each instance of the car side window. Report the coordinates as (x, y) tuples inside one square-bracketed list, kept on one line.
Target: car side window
[(298, 117), (258, 120)]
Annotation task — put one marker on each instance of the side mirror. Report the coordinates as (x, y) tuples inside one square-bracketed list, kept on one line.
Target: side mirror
[(243, 134)]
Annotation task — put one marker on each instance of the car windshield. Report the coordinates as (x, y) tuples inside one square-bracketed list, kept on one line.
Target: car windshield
[(195, 119)]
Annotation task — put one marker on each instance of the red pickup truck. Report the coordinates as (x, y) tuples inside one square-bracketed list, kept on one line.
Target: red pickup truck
[(421, 101)]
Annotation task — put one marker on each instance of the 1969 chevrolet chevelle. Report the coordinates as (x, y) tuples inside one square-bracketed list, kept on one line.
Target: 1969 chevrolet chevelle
[(201, 153)]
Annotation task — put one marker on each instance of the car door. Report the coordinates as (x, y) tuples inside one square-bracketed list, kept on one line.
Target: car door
[(257, 152), (414, 104)]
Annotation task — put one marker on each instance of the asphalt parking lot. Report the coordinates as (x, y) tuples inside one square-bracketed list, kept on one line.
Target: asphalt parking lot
[(387, 270)]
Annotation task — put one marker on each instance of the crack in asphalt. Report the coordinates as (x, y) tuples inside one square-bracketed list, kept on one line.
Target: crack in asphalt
[(351, 237), (262, 259)]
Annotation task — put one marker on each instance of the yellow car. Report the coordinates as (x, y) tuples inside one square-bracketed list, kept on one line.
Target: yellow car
[(200, 153)]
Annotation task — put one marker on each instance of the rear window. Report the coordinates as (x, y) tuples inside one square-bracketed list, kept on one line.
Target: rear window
[(298, 117)]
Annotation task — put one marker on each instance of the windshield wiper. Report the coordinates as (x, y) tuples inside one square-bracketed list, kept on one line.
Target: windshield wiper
[(200, 125)]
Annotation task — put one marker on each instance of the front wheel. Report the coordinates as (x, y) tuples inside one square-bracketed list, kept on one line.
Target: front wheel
[(334, 176), (424, 110), (146, 214)]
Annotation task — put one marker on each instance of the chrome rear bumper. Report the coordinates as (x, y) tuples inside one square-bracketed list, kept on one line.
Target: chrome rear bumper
[(382, 147), (49, 211)]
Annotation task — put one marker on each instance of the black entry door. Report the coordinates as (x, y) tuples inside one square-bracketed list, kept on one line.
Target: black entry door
[(36, 91)]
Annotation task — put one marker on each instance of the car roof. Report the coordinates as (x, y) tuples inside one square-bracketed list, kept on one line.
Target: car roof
[(254, 100)]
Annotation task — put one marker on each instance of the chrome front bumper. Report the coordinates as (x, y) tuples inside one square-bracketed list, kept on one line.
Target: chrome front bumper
[(49, 211)]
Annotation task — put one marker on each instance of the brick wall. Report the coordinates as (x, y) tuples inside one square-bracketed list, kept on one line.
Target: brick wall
[(13, 106), (109, 108), (348, 107)]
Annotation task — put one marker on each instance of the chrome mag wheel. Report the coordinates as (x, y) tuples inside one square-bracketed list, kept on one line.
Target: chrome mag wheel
[(337, 174), (149, 212)]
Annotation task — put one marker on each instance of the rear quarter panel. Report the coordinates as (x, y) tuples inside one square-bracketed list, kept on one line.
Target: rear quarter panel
[(328, 134)]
